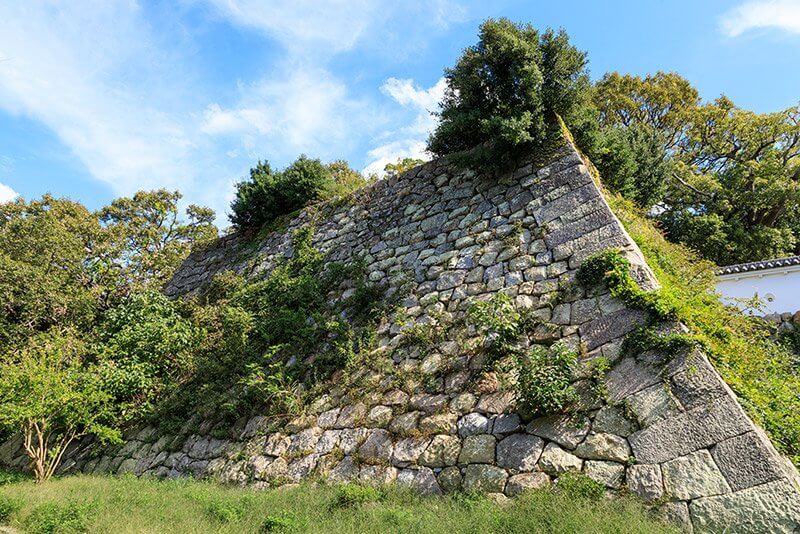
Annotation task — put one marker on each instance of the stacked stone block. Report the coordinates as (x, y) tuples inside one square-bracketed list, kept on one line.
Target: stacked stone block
[(668, 430)]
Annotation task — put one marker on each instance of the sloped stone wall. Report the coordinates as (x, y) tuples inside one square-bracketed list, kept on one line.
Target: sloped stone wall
[(668, 429)]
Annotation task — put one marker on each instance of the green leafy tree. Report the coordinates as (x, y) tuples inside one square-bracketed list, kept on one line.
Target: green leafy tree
[(147, 240), (48, 276), (400, 166), (49, 394), (268, 194), (503, 92), (147, 347)]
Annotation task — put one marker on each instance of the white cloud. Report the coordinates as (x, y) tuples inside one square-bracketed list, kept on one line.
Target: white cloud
[(779, 14), (70, 66), (332, 26), (391, 152), (6, 193), (422, 103), (299, 109)]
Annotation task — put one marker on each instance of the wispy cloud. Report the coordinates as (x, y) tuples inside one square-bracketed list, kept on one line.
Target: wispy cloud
[(6, 193), (409, 140), (778, 14), (300, 109)]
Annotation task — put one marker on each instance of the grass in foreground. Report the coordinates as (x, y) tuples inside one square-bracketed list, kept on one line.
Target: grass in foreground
[(128, 504)]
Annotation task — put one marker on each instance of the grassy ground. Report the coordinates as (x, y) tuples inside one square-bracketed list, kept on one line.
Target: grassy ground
[(127, 504)]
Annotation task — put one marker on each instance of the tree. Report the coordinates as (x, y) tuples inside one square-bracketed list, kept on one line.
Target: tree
[(48, 275), (269, 194), (503, 92), (49, 394), (146, 240), (400, 166)]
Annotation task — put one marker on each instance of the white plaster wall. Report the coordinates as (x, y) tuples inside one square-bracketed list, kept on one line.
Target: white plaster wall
[(779, 289)]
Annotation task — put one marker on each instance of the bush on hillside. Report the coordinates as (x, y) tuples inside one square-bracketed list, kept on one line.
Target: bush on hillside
[(502, 93), (268, 194)]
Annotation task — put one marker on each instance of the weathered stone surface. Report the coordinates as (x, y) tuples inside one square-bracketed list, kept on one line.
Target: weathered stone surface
[(747, 461), (450, 479), (612, 420), (377, 475), (604, 447), (519, 452), (405, 424), (421, 479), (477, 449), (610, 327), (610, 474), (379, 416), (697, 384), (442, 451), (523, 482), (409, 450), (485, 478), (629, 376), (652, 404), (377, 448), (555, 460), (473, 423), (439, 423), (768, 508), (499, 402), (506, 423), (566, 431), (351, 415), (692, 476), (304, 441), (677, 513), (345, 471), (645, 481), (689, 431)]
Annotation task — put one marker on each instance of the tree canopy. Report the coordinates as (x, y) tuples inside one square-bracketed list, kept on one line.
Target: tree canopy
[(503, 92)]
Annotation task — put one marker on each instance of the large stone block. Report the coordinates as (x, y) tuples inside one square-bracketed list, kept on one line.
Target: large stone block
[(692, 476), (689, 431), (770, 508), (747, 460), (565, 430), (519, 452)]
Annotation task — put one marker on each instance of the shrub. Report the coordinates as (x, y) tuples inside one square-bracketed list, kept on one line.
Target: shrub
[(579, 486), (52, 518), (269, 194), (8, 507), (351, 495), (503, 92), (279, 523), (544, 383)]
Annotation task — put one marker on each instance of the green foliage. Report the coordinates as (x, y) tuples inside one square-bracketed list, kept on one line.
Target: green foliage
[(146, 241), (613, 269), (8, 507), (353, 495), (544, 383), (147, 347), (726, 181), (52, 518), (267, 341), (579, 486), (279, 523), (503, 92), (130, 504), (228, 511), (500, 321), (544, 375), (763, 373), (269, 194), (401, 165), (52, 397)]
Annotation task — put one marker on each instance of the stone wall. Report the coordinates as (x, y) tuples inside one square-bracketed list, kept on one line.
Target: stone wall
[(667, 428)]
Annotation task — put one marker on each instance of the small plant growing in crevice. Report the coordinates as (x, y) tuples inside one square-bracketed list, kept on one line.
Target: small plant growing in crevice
[(579, 486), (544, 381)]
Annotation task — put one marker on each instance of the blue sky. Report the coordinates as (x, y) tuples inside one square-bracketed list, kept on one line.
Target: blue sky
[(102, 98)]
